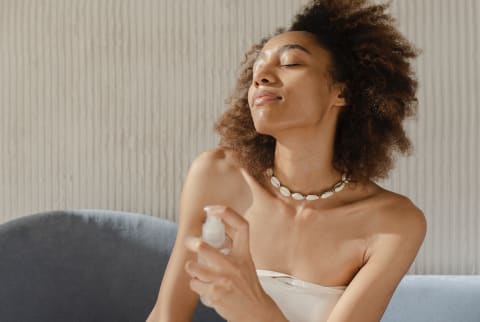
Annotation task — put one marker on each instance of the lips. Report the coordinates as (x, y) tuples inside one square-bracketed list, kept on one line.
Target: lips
[(263, 99), (263, 96)]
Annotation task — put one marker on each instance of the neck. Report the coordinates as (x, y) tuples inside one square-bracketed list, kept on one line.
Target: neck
[(306, 166), (306, 174)]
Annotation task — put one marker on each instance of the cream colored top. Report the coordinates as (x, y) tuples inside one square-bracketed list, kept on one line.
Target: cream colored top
[(300, 301)]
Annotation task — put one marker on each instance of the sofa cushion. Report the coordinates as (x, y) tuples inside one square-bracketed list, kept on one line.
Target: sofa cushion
[(435, 298), (84, 265)]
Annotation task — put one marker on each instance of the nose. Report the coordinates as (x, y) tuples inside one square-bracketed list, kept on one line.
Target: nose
[(263, 80), (263, 76)]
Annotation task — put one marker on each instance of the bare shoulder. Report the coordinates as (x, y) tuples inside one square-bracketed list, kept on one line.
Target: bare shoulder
[(210, 160), (217, 161), (400, 209), (396, 216), (220, 172), (398, 231)]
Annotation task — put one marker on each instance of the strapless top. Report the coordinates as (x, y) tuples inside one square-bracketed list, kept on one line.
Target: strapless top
[(300, 301)]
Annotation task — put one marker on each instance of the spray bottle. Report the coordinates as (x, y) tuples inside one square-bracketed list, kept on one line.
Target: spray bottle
[(213, 233)]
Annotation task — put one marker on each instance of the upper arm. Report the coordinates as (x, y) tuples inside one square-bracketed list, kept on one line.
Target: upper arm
[(198, 191), (395, 247)]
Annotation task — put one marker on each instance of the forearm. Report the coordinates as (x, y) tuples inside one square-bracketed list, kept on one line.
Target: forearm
[(156, 317), (276, 316), (152, 317), (270, 313)]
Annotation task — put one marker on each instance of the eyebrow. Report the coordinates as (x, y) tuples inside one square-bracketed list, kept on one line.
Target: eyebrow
[(286, 47)]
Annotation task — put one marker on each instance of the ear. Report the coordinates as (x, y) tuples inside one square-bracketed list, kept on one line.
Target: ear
[(339, 99)]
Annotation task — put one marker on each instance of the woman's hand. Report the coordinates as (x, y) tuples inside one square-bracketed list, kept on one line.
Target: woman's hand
[(230, 283)]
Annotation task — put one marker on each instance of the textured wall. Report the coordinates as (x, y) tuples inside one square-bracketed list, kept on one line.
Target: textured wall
[(104, 103)]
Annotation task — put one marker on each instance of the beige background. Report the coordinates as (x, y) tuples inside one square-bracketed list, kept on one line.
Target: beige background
[(104, 104)]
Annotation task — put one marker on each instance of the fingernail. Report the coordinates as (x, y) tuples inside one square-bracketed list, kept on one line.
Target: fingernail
[(192, 242), (214, 208)]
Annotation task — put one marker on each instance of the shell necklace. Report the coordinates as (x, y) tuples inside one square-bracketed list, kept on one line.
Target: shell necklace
[(298, 196)]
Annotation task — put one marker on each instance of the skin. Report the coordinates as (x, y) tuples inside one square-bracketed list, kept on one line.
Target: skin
[(363, 237), (303, 122)]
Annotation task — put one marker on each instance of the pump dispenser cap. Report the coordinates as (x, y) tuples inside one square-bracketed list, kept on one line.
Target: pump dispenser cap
[(213, 231)]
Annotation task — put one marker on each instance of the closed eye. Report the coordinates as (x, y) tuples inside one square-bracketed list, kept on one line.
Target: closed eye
[(289, 65)]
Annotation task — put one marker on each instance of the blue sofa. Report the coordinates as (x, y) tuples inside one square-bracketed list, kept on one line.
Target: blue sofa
[(101, 265)]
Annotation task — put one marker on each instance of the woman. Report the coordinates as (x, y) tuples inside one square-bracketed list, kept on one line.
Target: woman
[(316, 115)]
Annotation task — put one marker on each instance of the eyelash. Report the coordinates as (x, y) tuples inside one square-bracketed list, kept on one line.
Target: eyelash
[(287, 65)]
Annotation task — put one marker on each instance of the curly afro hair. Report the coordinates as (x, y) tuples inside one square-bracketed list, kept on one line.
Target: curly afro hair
[(371, 58)]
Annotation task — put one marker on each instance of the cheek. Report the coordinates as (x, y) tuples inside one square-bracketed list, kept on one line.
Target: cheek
[(250, 94), (316, 91), (309, 99)]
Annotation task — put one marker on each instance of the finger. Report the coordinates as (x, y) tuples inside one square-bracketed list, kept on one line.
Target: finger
[(211, 255), (199, 287), (213, 291), (234, 222), (200, 271), (228, 243), (191, 243)]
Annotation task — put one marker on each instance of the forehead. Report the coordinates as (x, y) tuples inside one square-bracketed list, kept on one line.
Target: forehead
[(292, 40)]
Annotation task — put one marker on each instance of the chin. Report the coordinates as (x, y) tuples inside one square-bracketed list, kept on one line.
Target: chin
[(266, 123), (264, 128)]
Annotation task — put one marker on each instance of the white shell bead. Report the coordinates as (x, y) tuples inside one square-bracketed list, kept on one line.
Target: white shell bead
[(284, 191), (326, 194), (339, 186), (298, 196), (275, 182)]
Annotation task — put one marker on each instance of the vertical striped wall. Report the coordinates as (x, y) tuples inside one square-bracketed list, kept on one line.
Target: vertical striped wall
[(104, 104), (442, 176)]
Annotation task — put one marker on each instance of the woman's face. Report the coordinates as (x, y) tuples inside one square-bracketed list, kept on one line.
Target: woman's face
[(303, 86)]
